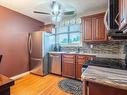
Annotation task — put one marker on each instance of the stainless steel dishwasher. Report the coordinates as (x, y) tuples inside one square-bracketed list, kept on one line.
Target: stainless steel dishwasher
[(55, 60)]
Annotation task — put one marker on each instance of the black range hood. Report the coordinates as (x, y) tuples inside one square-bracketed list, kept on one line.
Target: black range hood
[(115, 35)]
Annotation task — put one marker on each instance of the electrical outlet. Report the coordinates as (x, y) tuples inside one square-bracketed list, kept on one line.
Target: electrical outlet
[(91, 46)]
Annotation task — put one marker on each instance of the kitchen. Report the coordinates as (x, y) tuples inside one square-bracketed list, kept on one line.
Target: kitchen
[(47, 50)]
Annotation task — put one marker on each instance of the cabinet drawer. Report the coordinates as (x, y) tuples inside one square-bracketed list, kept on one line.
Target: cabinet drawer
[(68, 56), (68, 61), (82, 58)]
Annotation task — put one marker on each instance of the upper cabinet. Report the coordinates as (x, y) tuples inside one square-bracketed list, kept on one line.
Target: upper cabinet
[(48, 27), (93, 28), (87, 28), (123, 14)]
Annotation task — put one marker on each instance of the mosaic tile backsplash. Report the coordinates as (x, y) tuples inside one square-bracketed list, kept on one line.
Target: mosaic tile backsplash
[(113, 47)]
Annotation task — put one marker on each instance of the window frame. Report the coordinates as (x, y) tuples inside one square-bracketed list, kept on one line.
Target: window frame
[(69, 33)]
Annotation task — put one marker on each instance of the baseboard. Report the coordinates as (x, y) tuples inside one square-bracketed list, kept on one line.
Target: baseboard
[(19, 76)]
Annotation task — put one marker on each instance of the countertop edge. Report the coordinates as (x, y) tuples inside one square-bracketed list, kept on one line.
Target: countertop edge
[(72, 53), (107, 82)]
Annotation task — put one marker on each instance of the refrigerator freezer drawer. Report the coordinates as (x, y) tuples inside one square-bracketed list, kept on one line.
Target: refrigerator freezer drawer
[(36, 66)]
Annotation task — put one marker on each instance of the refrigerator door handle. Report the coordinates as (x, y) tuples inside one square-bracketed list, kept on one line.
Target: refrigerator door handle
[(29, 44)]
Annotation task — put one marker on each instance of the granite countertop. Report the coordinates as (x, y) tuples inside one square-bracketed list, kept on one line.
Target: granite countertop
[(53, 52), (81, 53), (106, 76), (116, 56)]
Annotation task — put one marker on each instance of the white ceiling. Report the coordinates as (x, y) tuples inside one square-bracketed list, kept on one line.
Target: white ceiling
[(27, 7)]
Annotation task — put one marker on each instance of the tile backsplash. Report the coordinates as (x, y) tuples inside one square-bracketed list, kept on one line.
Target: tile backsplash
[(108, 48)]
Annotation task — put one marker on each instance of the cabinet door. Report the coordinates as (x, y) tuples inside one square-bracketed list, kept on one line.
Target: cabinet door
[(68, 70), (98, 28), (94, 28), (68, 66), (87, 29), (123, 13), (80, 60)]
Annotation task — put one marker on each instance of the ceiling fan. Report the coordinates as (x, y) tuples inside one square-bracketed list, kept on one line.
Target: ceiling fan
[(57, 11)]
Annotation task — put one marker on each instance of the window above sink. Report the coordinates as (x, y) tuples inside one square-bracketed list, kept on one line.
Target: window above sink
[(69, 34)]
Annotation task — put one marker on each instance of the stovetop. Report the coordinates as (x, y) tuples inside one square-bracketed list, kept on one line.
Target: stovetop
[(107, 62)]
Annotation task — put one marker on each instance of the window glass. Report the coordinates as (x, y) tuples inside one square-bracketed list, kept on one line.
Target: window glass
[(63, 39), (69, 34), (52, 39), (53, 31), (62, 29), (75, 28), (74, 38)]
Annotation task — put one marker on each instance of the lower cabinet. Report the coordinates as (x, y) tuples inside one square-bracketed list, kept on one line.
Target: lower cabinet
[(72, 65), (68, 65), (80, 60), (90, 88)]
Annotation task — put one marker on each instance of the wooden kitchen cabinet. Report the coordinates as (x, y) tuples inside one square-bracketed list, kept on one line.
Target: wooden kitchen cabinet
[(98, 28), (72, 64), (68, 65), (93, 28), (48, 27), (123, 14), (87, 27), (91, 88), (80, 60)]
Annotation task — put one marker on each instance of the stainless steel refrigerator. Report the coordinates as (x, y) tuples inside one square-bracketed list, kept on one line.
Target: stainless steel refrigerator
[(38, 47)]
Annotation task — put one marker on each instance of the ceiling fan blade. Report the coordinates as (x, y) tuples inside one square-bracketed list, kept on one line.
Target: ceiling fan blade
[(69, 13), (41, 13)]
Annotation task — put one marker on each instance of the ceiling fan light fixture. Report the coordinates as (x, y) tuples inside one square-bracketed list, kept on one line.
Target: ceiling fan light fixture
[(57, 11), (56, 18), (56, 8)]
